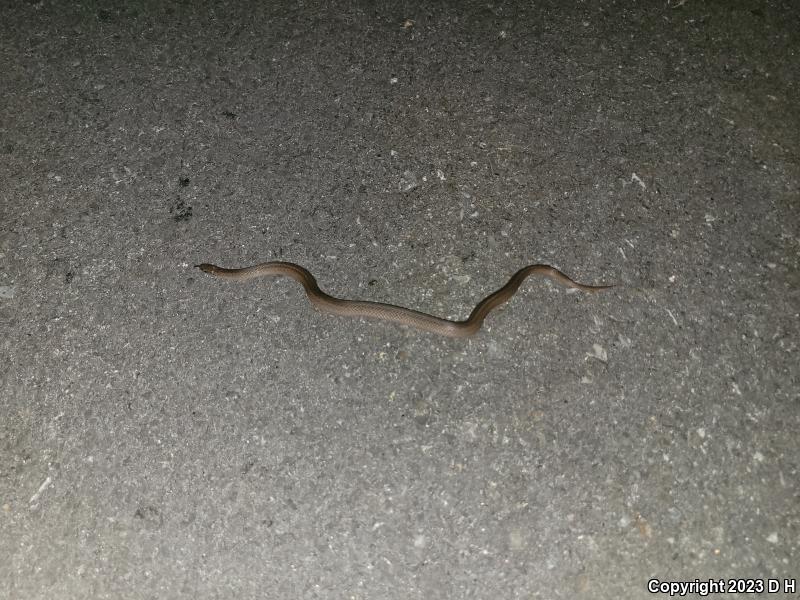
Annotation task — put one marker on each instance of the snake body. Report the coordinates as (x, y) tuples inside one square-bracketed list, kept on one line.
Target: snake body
[(390, 312)]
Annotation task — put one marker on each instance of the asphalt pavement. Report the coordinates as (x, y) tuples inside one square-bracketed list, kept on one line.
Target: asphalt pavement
[(166, 434)]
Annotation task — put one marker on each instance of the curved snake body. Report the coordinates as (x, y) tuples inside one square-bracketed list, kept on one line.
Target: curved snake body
[(390, 312)]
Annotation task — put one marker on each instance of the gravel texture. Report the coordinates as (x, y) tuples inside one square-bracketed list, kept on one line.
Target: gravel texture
[(168, 435)]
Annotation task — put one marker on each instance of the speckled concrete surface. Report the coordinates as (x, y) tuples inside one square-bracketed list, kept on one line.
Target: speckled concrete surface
[(168, 435)]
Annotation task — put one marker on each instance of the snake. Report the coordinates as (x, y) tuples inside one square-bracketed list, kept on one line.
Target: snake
[(397, 314)]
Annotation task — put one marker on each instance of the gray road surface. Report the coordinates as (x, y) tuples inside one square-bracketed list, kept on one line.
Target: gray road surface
[(167, 435)]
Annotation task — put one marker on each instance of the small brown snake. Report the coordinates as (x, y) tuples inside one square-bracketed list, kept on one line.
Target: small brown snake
[(390, 312)]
